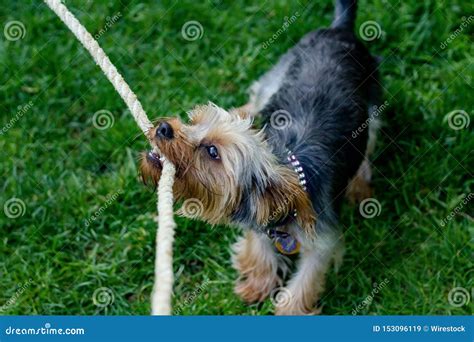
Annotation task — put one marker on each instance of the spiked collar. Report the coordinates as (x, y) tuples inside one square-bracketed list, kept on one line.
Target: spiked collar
[(296, 165)]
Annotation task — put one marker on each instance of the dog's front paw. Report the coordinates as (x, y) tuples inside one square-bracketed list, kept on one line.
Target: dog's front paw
[(257, 266), (255, 288), (287, 304), (295, 310)]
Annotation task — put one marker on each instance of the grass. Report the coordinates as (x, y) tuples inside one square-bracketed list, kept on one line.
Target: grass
[(64, 169)]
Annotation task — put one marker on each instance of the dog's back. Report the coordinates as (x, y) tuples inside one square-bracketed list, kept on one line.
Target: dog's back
[(324, 84)]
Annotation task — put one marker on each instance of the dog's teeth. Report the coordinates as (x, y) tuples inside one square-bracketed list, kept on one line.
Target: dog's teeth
[(154, 155)]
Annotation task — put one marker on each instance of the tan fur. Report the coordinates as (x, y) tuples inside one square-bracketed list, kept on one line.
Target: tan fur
[(282, 198), (359, 187), (217, 183), (257, 265), (245, 112), (308, 282)]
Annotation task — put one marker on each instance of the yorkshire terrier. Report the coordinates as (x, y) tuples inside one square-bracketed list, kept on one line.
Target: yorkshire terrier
[(283, 184)]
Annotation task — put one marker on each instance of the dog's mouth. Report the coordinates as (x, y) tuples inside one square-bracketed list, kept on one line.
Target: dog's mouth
[(154, 158)]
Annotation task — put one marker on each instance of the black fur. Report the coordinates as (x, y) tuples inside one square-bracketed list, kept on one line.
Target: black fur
[(345, 14), (327, 89)]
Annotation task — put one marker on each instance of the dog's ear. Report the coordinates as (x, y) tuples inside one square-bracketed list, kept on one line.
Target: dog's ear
[(244, 112), (283, 197)]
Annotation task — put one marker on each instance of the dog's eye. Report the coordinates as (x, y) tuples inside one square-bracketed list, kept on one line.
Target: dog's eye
[(213, 153)]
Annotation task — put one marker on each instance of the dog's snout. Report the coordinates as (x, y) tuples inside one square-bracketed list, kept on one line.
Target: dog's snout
[(164, 131)]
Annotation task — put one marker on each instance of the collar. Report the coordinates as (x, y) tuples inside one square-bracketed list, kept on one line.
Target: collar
[(296, 165), (284, 241)]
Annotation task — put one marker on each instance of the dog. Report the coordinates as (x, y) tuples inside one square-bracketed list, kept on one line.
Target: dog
[(282, 184)]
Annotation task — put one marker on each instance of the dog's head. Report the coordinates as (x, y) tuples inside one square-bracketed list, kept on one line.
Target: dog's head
[(226, 170)]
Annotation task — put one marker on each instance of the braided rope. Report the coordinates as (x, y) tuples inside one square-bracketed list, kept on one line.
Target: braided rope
[(161, 296)]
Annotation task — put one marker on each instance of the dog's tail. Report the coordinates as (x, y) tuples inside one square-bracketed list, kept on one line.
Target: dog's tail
[(345, 14)]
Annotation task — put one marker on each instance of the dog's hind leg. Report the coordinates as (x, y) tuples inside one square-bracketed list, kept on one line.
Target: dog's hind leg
[(359, 187)]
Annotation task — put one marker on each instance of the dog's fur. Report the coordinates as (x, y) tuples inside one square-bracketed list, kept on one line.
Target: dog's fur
[(324, 86)]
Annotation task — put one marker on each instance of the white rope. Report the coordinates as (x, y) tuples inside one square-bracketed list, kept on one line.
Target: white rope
[(162, 289)]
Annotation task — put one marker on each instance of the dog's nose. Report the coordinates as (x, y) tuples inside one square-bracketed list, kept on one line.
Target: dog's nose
[(164, 131)]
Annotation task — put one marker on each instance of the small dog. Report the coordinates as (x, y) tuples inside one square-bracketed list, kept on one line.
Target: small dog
[(283, 184)]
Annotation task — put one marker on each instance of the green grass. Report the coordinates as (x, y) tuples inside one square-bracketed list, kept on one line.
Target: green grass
[(64, 169)]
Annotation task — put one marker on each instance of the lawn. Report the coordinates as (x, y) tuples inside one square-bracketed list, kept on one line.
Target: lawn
[(77, 226)]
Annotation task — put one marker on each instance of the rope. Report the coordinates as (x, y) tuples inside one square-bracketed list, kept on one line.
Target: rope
[(161, 296)]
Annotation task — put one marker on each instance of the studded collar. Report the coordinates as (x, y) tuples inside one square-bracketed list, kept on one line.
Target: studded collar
[(296, 165)]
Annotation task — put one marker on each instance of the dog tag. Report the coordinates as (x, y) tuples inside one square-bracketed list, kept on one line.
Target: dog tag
[(288, 245), (284, 242)]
